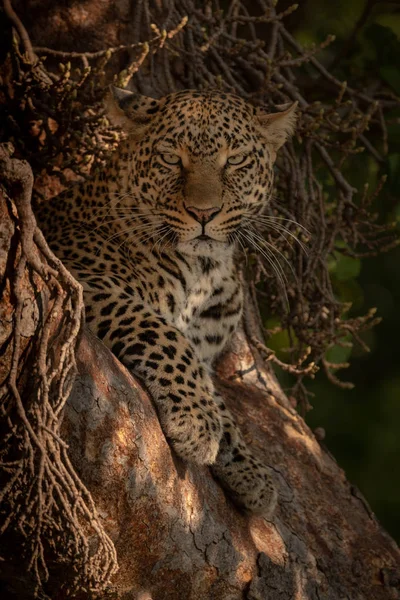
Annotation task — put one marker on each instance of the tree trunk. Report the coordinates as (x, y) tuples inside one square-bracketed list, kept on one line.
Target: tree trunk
[(176, 533)]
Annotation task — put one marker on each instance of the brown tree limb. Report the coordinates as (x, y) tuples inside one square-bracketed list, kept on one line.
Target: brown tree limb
[(19, 26)]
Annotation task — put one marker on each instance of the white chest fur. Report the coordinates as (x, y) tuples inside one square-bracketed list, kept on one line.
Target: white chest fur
[(210, 309)]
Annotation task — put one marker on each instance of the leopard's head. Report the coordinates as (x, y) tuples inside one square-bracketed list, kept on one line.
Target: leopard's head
[(200, 163)]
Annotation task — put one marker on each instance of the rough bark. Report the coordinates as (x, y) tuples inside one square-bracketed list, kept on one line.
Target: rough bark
[(176, 533)]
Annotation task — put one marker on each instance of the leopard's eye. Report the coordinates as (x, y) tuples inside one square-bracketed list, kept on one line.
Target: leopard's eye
[(171, 159), (237, 159)]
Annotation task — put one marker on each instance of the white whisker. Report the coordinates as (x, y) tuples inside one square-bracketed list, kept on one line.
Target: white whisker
[(273, 218), (272, 248), (283, 230), (276, 266), (236, 237), (158, 242)]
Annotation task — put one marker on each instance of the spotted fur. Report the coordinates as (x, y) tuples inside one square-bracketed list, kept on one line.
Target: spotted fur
[(152, 239)]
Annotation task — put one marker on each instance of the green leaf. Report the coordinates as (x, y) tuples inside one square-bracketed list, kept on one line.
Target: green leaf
[(391, 21), (338, 354), (391, 75), (344, 267)]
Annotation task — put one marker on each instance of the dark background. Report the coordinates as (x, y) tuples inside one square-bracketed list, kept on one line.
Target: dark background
[(362, 425)]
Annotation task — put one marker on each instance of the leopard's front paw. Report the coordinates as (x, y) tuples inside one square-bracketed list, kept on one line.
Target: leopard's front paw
[(248, 482), (194, 433)]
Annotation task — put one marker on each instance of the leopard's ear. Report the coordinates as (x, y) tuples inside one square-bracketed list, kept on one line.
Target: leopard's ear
[(277, 127), (129, 110)]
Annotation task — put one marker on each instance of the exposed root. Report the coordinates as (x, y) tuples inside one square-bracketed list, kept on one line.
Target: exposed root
[(43, 500)]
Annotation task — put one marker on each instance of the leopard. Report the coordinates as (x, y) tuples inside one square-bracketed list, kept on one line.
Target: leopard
[(153, 238)]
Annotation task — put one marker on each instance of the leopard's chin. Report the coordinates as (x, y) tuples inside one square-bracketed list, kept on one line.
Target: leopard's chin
[(203, 247)]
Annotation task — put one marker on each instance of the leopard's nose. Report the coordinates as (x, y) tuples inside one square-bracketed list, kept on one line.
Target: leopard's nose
[(202, 215)]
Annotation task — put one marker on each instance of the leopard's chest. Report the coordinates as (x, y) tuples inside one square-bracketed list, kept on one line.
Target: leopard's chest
[(209, 310), (203, 299)]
